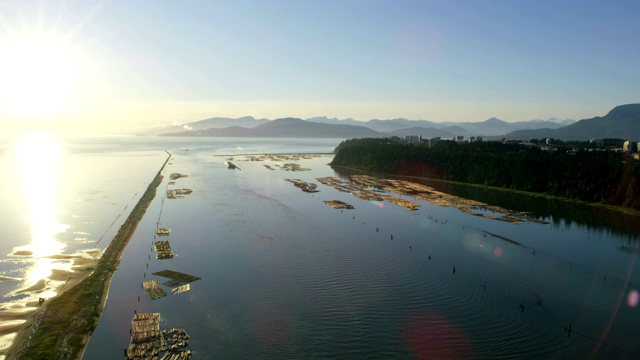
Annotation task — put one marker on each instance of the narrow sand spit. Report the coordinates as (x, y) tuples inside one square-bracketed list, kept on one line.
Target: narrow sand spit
[(17, 318)]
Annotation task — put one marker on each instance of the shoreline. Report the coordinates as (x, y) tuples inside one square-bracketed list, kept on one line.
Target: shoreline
[(103, 303), (620, 209), (29, 312), (277, 153), (63, 325)]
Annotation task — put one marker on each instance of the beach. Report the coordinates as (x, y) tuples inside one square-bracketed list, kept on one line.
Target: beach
[(17, 319)]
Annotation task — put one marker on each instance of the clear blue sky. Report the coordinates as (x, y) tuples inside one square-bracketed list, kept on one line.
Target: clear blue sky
[(141, 63)]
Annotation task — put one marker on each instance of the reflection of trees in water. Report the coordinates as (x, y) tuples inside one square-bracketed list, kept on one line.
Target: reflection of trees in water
[(559, 212)]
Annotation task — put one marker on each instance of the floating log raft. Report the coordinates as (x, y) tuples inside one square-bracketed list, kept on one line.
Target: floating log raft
[(173, 340), (153, 289), (145, 336), (180, 289), (148, 341), (178, 193), (368, 195), (364, 192), (145, 326), (176, 176), (337, 204), (291, 167), (163, 231), (150, 284), (143, 350), (156, 293), (178, 277), (340, 185), (303, 185), (329, 180), (282, 157), (163, 250), (427, 193), (401, 202)]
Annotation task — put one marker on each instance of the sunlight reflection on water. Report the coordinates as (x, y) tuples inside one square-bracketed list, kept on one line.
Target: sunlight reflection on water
[(38, 154)]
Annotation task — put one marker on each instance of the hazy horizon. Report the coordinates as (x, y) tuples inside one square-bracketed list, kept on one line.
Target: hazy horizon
[(26, 127), (111, 66)]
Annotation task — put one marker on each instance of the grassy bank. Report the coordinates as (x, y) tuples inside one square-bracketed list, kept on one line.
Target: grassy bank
[(62, 330)]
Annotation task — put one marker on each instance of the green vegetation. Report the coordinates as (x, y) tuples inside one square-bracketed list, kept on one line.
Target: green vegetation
[(606, 177), (72, 317)]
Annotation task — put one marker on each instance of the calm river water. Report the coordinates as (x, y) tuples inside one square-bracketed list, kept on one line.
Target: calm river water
[(283, 275)]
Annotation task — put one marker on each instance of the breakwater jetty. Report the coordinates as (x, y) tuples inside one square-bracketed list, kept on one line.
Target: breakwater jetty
[(64, 327)]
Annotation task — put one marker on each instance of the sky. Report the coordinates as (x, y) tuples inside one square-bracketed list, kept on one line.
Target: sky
[(113, 65)]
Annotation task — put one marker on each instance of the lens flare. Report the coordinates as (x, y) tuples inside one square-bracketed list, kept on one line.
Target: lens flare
[(432, 336), (633, 298), (379, 204), (497, 252)]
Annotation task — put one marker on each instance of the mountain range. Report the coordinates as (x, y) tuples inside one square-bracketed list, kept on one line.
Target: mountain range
[(621, 122)]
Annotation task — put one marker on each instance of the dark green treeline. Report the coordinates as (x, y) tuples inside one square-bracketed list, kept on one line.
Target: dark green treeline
[(607, 177)]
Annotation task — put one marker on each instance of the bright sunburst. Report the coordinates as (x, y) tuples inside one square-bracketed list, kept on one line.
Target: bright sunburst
[(37, 72), (42, 65)]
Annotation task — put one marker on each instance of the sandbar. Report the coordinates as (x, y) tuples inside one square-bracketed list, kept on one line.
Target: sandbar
[(17, 319), (22, 253)]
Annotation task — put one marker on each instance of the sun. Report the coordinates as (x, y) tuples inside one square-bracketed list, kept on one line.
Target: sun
[(37, 72)]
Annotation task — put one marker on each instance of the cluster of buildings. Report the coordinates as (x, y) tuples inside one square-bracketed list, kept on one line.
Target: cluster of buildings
[(628, 146), (417, 139)]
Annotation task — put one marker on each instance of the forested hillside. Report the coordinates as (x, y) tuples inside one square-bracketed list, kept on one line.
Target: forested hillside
[(607, 177)]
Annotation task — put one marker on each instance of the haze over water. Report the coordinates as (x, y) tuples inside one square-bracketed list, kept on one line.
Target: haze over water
[(286, 276)]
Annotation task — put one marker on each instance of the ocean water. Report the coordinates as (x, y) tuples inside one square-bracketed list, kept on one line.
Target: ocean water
[(283, 275)]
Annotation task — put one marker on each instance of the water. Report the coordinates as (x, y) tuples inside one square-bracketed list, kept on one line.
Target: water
[(286, 276)]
